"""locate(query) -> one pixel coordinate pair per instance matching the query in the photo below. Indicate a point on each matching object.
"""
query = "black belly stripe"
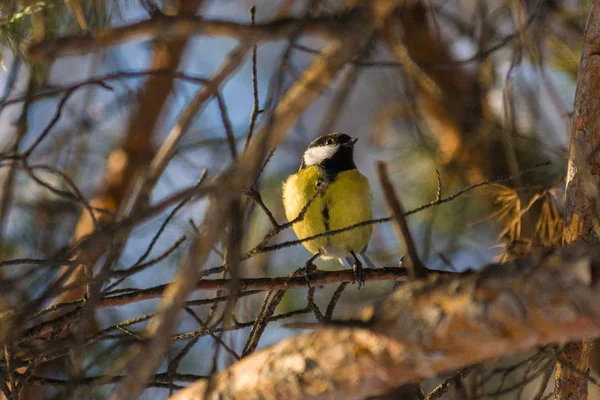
(325, 214)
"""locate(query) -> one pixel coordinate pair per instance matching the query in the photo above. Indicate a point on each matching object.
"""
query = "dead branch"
(426, 328)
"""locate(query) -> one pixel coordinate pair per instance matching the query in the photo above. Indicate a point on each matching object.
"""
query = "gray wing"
(348, 261)
(366, 260)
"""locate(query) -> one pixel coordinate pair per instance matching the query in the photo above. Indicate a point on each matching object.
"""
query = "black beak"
(352, 142)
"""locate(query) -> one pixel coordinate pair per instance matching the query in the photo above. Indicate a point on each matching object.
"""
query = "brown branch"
(261, 284)
(569, 384)
(248, 286)
(334, 300)
(262, 320)
(178, 27)
(425, 328)
(415, 267)
(582, 180)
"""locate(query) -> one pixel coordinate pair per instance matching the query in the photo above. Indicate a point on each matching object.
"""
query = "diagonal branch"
(415, 267)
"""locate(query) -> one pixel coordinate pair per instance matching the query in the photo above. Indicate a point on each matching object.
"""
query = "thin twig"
(216, 338)
(310, 303)
(438, 193)
(256, 104)
(58, 114)
(262, 311)
(261, 322)
(334, 299)
(97, 80)
(227, 125)
(265, 249)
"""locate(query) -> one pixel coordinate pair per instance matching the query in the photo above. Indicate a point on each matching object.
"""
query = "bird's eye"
(329, 141)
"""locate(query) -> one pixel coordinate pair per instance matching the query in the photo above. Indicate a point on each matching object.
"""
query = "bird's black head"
(334, 153)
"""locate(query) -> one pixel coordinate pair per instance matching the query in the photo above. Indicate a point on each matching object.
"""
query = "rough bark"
(583, 175)
(426, 328)
(570, 384)
(583, 181)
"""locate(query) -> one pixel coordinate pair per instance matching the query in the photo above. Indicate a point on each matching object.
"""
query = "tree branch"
(182, 26)
(426, 328)
(415, 267)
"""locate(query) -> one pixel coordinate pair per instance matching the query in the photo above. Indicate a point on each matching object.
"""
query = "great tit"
(339, 197)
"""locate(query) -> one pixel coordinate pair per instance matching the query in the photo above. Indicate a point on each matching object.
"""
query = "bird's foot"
(309, 271)
(358, 273)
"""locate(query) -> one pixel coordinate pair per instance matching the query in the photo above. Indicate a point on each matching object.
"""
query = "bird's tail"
(366, 260)
(348, 261)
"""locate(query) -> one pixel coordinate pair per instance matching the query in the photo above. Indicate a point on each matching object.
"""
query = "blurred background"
(476, 90)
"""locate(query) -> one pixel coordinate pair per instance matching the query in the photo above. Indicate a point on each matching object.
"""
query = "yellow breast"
(346, 201)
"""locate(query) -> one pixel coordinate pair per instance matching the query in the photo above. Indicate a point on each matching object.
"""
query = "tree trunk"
(583, 181)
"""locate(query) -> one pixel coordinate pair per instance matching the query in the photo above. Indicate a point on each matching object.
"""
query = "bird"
(329, 193)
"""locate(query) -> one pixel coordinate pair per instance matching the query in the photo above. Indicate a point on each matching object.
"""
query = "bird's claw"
(358, 274)
(309, 272)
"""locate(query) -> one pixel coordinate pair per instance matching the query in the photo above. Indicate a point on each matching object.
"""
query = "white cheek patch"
(316, 155)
